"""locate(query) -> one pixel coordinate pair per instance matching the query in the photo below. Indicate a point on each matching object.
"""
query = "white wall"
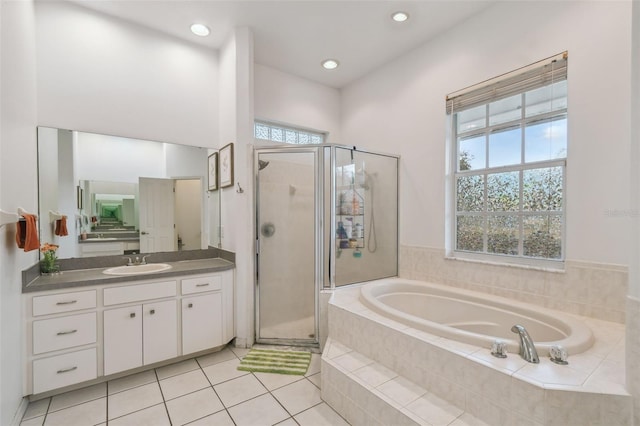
(237, 210)
(104, 75)
(400, 108)
(288, 99)
(18, 186)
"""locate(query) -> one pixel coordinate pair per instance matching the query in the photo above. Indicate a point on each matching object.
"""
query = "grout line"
(46, 413)
(216, 392)
(106, 414)
(163, 400)
(133, 412)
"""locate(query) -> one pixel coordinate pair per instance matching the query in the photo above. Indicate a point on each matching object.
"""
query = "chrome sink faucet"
(527, 348)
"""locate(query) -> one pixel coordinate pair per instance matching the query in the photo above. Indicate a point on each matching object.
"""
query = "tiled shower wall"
(584, 288)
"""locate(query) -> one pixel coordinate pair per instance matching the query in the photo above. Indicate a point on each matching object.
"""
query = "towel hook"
(53, 216)
(239, 190)
(22, 212)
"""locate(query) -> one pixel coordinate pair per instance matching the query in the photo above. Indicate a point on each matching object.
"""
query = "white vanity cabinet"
(140, 334)
(86, 333)
(205, 316)
(61, 339)
(201, 322)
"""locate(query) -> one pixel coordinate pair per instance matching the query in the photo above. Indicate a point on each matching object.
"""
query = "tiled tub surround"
(584, 288)
(376, 371)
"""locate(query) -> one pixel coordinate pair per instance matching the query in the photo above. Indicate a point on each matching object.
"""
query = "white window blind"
(531, 77)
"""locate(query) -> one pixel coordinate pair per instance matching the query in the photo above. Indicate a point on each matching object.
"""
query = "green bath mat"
(276, 361)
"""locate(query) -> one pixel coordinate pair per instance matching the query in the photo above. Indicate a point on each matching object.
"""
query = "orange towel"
(61, 227)
(27, 233)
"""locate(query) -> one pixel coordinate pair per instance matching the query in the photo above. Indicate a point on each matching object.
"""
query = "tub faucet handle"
(558, 354)
(499, 349)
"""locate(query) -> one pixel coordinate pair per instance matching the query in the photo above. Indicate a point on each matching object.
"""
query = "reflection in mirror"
(124, 196)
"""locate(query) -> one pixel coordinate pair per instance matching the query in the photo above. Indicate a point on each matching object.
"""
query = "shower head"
(262, 164)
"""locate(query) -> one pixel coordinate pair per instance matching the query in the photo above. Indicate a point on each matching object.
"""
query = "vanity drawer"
(64, 332)
(65, 302)
(201, 284)
(139, 292)
(64, 370)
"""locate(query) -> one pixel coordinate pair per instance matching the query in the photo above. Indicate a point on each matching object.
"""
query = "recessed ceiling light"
(330, 64)
(200, 30)
(400, 16)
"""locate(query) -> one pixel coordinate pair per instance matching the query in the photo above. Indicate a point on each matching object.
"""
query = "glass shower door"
(287, 246)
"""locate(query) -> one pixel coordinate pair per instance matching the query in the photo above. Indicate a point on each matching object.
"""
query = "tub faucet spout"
(527, 348)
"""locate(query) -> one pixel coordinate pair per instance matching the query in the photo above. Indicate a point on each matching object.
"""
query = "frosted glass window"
(288, 135)
(262, 131)
(291, 136)
(304, 138)
(277, 134)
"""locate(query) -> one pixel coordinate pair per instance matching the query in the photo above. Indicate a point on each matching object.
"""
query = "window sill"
(559, 269)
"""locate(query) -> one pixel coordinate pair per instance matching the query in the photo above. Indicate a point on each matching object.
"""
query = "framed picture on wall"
(226, 166)
(213, 172)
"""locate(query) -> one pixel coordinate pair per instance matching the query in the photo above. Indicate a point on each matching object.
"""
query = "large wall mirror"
(122, 195)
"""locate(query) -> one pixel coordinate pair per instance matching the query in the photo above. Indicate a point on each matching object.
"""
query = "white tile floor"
(208, 390)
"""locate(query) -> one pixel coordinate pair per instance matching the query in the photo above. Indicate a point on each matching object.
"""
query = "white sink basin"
(101, 239)
(149, 268)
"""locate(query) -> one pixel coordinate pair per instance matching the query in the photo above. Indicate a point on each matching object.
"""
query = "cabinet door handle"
(153, 311)
(66, 370)
(62, 333)
(132, 315)
(190, 305)
(202, 285)
(69, 302)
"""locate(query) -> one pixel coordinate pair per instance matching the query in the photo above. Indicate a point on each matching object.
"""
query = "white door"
(156, 215)
(201, 322)
(122, 339)
(160, 330)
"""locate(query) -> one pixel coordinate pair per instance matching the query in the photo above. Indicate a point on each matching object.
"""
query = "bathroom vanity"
(83, 326)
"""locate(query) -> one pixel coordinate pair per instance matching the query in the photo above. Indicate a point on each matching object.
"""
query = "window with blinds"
(510, 149)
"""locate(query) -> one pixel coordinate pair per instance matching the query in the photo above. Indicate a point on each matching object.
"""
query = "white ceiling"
(295, 36)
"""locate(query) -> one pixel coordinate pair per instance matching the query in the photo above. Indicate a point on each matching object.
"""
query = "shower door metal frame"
(318, 152)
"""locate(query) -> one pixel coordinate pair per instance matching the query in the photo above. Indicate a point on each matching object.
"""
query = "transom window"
(509, 180)
(278, 133)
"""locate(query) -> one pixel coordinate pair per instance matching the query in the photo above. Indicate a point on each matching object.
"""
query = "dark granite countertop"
(189, 263)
